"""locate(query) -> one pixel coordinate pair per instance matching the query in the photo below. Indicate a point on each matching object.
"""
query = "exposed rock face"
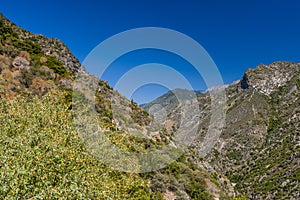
(66, 82)
(267, 78)
(56, 48)
(20, 63)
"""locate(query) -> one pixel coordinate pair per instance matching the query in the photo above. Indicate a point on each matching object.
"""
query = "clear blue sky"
(237, 34)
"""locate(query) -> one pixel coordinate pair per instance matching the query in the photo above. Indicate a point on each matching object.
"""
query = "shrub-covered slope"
(42, 157)
(258, 150)
(41, 153)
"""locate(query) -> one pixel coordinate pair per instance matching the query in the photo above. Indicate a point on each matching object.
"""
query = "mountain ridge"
(255, 157)
(37, 75)
(261, 104)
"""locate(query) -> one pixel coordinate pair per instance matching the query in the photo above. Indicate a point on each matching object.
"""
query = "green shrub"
(56, 65)
(197, 190)
(181, 175)
(26, 77)
(42, 157)
(28, 45)
(51, 61)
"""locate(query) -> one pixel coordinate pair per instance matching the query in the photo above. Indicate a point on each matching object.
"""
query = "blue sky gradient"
(236, 34)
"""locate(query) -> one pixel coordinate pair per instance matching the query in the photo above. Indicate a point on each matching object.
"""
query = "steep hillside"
(44, 156)
(258, 149)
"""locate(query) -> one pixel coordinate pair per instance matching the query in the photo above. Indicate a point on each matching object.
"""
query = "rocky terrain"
(258, 149)
(44, 156)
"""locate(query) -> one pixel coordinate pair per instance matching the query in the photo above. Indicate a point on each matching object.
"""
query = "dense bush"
(8, 34)
(56, 65)
(51, 62)
(28, 45)
(41, 156)
(181, 176)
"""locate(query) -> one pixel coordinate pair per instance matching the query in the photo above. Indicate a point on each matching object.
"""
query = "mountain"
(258, 149)
(45, 152)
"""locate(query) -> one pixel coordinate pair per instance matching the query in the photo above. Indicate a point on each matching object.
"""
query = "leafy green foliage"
(8, 34)
(181, 176)
(28, 45)
(51, 62)
(56, 65)
(42, 157)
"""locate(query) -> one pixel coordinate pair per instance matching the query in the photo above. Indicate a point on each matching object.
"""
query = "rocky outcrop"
(267, 78)
(56, 48)
(49, 46)
(20, 63)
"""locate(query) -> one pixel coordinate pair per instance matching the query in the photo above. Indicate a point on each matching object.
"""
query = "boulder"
(20, 63)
